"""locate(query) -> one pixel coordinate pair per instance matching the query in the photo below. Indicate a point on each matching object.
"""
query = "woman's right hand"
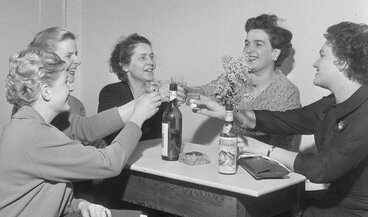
(209, 107)
(145, 107)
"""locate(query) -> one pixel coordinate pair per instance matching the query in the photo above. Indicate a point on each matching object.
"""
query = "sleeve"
(108, 99)
(60, 159)
(89, 129)
(337, 156)
(290, 122)
(292, 100)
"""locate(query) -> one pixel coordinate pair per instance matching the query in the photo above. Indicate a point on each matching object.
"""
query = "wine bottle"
(228, 143)
(171, 128)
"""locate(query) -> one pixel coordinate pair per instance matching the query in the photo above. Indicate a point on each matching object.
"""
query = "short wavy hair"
(123, 52)
(349, 42)
(49, 38)
(280, 38)
(28, 71)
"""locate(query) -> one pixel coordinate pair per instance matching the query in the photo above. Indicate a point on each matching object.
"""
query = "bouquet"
(232, 79)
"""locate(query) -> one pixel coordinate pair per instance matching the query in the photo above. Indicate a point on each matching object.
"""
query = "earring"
(275, 59)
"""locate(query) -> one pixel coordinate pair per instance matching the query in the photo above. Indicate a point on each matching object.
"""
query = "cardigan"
(38, 162)
(340, 133)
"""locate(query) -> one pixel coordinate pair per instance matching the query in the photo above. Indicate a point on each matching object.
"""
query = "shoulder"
(115, 86)
(76, 106)
(282, 82)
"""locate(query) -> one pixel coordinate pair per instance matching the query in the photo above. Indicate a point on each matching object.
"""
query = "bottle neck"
(229, 116)
(227, 129)
(173, 96)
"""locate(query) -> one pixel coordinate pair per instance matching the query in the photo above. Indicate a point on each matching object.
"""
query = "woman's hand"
(88, 209)
(209, 107)
(165, 93)
(145, 107)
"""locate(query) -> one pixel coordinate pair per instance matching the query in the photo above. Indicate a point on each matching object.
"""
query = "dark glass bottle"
(171, 128)
(228, 143)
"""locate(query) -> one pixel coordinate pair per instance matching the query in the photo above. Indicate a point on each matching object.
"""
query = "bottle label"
(173, 95)
(226, 129)
(165, 139)
(228, 149)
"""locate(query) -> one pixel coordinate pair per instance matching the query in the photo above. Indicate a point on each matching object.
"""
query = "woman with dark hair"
(133, 62)
(263, 86)
(338, 121)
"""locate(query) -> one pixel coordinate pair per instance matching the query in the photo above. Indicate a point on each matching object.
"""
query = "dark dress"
(118, 94)
(110, 191)
(340, 133)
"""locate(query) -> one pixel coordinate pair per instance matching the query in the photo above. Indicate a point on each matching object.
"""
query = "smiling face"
(67, 51)
(142, 64)
(257, 47)
(328, 72)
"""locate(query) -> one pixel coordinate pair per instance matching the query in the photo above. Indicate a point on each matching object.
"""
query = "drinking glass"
(151, 86)
(177, 79)
(190, 97)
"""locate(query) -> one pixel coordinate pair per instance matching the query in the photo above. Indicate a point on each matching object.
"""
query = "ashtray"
(194, 158)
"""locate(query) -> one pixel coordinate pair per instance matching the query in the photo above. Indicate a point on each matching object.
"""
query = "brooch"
(341, 125)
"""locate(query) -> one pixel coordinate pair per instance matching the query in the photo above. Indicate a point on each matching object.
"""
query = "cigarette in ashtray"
(194, 158)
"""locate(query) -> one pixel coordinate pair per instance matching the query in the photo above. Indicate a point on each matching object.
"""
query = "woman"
(87, 130)
(266, 46)
(133, 62)
(338, 122)
(63, 43)
(37, 168)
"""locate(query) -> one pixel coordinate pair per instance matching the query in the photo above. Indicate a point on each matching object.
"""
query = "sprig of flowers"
(232, 79)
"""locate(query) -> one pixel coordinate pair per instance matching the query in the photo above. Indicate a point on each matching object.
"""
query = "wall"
(189, 37)
(19, 21)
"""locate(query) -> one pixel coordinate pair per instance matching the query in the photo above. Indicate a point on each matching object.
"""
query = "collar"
(28, 112)
(352, 103)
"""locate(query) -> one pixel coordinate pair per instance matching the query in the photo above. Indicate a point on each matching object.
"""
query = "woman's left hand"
(88, 209)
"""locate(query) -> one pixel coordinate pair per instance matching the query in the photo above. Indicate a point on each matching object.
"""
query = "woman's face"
(328, 71)
(59, 93)
(257, 47)
(142, 64)
(67, 51)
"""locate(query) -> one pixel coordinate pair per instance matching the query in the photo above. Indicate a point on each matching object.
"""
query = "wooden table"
(200, 190)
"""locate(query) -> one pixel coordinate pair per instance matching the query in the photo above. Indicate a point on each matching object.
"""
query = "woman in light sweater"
(38, 162)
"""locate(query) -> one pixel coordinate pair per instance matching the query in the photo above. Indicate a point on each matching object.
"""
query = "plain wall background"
(19, 21)
(189, 37)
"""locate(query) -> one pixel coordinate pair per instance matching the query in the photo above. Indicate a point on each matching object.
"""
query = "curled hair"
(49, 38)
(349, 42)
(123, 52)
(280, 38)
(28, 70)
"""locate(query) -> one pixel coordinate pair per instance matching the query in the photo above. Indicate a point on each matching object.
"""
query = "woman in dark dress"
(338, 121)
(133, 62)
